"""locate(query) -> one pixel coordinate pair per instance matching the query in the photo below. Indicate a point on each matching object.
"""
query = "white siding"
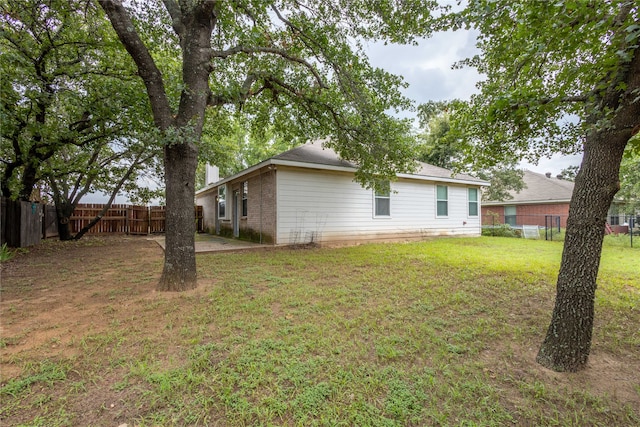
(324, 206)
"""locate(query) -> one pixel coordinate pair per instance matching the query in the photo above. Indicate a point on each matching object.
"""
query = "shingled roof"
(316, 153)
(540, 188)
(315, 156)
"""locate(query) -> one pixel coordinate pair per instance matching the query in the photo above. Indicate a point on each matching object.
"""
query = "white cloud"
(427, 68)
(555, 164)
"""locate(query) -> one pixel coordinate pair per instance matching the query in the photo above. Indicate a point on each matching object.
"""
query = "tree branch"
(549, 100)
(309, 42)
(132, 167)
(151, 75)
(271, 50)
(245, 93)
(176, 18)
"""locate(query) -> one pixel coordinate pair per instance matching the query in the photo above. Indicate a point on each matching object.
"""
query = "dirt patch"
(61, 291)
(609, 375)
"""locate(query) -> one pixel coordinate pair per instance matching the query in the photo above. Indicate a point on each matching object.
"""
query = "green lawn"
(441, 332)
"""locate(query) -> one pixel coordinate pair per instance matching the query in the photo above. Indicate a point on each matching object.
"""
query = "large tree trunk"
(29, 179)
(179, 273)
(181, 158)
(193, 22)
(567, 344)
(568, 341)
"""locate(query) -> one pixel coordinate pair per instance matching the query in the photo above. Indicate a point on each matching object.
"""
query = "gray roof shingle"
(315, 153)
(540, 189)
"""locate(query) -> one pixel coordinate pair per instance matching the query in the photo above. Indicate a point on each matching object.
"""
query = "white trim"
(439, 200)
(477, 202)
(375, 197)
(226, 202)
(244, 197)
(445, 180)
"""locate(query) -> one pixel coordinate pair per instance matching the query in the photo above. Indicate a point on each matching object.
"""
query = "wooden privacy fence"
(20, 222)
(125, 219)
(25, 223)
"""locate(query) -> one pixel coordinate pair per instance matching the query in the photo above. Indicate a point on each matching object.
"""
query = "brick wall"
(259, 224)
(528, 214)
(261, 207)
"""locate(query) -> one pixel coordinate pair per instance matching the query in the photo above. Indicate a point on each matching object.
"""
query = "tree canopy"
(73, 116)
(559, 77)
(297, 69)
(630, 179)
(442, 145)
(548, 67)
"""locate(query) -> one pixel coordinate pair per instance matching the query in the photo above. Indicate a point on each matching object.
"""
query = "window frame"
(222, 201)
(245, 198)
(379, 196)
(475, 202)
(508, 218)
(440, 200)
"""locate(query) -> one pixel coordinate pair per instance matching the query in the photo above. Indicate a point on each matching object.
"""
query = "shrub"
(501, 230)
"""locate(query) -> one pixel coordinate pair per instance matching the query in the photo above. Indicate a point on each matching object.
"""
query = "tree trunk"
(568, 341)
(193, 22)
(567, 344)
(64, 229)
(179, 273)
(29, 181)
(63, 213)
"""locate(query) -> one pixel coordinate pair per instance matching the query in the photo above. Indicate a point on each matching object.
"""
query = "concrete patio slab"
(210, 243)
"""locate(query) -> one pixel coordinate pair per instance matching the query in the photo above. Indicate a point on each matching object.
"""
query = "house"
(308, 195)
(544, 200)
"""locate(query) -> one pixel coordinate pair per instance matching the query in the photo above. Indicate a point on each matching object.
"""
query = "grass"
(5, 253)
(610, 240)
(441, 332)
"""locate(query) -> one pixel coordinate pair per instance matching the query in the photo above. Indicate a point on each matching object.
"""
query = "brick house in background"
(308, 194)
(544, 195)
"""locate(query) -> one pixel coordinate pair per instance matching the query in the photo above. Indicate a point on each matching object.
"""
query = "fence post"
(548, 227)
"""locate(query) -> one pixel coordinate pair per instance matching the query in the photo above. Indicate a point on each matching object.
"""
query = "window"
(442, 200)
(383, 200)
(473, 202)
(245, 194)
(510, 215)
(614, 215)
(222, 201)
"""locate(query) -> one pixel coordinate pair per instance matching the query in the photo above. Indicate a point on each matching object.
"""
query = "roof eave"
(321, 166)
(524, 202)
(235, 176)
(448, 180)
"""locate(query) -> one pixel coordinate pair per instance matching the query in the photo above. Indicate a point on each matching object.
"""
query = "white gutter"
(442, 179)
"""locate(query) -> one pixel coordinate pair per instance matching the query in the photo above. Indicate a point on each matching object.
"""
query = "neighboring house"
(545, 199)
(308, 194)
